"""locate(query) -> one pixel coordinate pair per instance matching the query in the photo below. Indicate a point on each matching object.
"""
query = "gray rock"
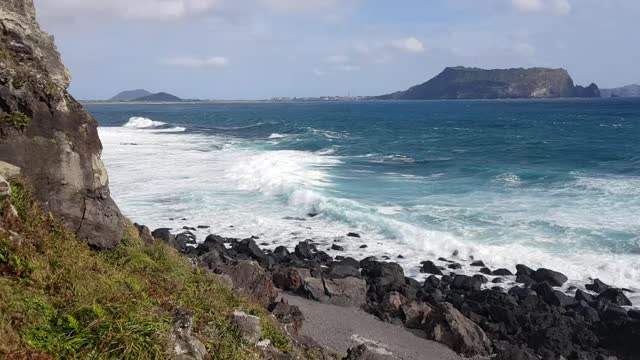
(248, 326)
(428, 267)
(251, 280)
(144, 233)
(598, 286)
(362, 352)
(554, 278)
(183, 345)
(8, 171)
(288, 315)
(345, 292)
(59, 150)
(449, 326)
(291, 279)
(5, 189)
(616, 296)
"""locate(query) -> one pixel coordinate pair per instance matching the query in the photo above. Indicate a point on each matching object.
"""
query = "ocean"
(547, 183)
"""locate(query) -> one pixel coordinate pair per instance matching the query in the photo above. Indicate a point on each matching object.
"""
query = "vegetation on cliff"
(61, 300)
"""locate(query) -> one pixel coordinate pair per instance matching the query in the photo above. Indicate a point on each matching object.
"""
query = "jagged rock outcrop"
(47, 133)
(473, 83)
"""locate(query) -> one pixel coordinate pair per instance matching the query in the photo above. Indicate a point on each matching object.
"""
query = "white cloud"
(298, 6)
(557, 7)
(338, 59)
(138, 9)
(179, 9)
(409, 44)
(198, 62)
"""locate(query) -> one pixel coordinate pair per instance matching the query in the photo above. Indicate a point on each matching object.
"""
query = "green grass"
(18, 120)
(61, 300)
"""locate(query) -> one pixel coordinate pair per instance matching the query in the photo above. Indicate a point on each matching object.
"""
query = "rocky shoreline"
(532, 320)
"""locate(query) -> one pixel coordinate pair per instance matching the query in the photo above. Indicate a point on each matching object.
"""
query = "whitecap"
(137, 122)
(508, 179)
(277, 136)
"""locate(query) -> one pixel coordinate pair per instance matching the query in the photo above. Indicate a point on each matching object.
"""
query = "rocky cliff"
(474, 83)
(625, 91)
(45, 132)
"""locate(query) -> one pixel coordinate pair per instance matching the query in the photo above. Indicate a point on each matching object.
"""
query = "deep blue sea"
(552, 183)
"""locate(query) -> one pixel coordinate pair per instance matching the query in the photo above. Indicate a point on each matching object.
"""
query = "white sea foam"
(509, 179)
(277, 136)
(143, 123)
(240, 191)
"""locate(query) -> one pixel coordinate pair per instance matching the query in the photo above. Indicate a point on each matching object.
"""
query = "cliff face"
(474, 83)
(44, 131)
(625, 91)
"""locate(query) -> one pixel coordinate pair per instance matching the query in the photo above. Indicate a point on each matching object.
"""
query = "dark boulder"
(383, 277)
(478, 263)
(336, 247)
(251, 249)
(466, 283)
(554, 278)
(352, 234)
(449, 326)
(551, 296)
(432, 282)
(524, 270)
(144, 233)
(251, 280)
(305, 250)
(290, 279)
(349, 261)
(212, 242)
(281, 252)
(581, 295)
(288, 315)
(164, 234)
(455, 266)
(340, 271)
(486, 271)
(598, 286)
(502, 272)
(616, 296)
(364, 262)
(428, 267)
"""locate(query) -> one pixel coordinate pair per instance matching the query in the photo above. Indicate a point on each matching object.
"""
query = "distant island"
(141, 95)
(475, 83)
(130, 95)
(625, 91)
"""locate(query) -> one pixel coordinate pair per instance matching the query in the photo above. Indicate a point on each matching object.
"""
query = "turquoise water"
(549, 183)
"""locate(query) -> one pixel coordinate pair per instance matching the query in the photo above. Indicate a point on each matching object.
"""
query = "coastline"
(528, 320)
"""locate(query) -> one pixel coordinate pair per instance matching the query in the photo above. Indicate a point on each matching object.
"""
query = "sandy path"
(340, 328)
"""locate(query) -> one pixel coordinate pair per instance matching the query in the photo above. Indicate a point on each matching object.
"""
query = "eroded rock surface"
(47, 133)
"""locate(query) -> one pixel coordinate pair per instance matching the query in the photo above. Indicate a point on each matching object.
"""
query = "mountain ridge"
(130, 95)
(475, 83)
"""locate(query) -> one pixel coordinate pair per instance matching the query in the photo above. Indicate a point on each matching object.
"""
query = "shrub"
(17, 119)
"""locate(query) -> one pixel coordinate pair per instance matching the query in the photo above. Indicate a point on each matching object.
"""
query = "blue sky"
(254, 49)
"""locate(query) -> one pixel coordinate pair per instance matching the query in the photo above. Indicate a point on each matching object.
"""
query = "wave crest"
(138, 122)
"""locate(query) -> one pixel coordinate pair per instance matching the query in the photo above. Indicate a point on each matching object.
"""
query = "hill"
(475, 83)
(130, 95)
(159, 97)
(625, 91)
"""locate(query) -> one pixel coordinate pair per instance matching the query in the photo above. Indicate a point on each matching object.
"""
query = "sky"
(258, 49)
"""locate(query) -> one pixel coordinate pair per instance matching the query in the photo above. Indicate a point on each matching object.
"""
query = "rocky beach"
(469, 314)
